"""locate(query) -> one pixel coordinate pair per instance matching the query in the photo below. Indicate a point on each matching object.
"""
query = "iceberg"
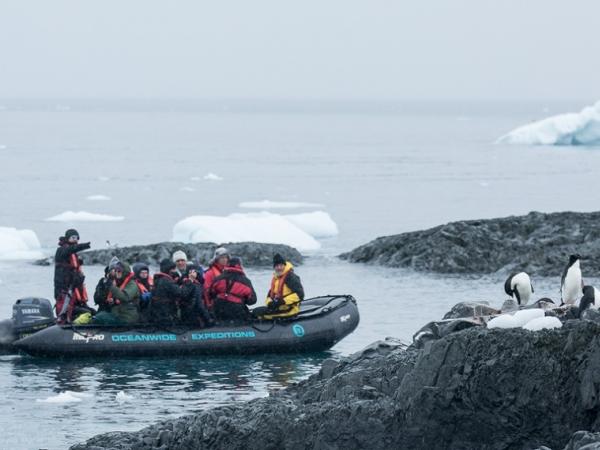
(581, 128)
(98, 198)
(268, 204)
(65, 397)
(212, 177)
(19, 244)
(298, 230)
(83, 216)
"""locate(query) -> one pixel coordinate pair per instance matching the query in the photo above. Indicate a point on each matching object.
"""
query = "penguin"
(519, 285)
(571, 283)
(590, 295)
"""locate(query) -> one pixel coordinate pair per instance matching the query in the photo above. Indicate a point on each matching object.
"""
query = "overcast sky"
(334, 49)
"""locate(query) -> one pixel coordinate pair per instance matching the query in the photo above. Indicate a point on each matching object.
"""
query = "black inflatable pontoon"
(322, 322)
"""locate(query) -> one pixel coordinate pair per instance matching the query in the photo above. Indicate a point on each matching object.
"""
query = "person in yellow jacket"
(286, 293)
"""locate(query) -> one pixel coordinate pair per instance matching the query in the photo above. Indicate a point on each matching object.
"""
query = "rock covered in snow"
(581, 128)
(253, 254)
(537, 243)
(478, 388)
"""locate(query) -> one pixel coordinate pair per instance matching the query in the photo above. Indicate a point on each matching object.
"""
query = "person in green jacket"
(123, 295)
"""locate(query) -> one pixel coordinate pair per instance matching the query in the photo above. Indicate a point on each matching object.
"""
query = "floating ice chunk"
(317, 224)
(65, 397)
(542, 323)
(83, 216)
(581, 128)
(257, 227)
(98, 198)
(3, 147)
(268, 204)
(187, 189)
(103, 178)
(515, 320)
(212, 177)
(122, 397)
(19, 244)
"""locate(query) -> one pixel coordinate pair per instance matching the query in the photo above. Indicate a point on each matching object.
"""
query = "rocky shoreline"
(536, 243)
(253, 254)
(473, 388)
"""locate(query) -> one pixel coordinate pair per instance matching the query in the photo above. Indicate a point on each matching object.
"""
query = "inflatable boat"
(322, 322)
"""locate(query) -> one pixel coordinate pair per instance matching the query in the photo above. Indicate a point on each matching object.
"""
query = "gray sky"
(335, 49)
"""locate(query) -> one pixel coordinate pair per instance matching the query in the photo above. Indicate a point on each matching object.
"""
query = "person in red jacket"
(216, 267)
(231, 292)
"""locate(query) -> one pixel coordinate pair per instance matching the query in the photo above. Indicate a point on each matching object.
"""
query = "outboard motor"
(31, 315)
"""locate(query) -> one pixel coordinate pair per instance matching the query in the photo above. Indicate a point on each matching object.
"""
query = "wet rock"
(477, 388)
(471, 309)
(439, 329)
(253, 254)
(584, 440)
(536, 243)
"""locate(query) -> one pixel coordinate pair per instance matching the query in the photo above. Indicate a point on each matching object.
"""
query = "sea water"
(375, 168)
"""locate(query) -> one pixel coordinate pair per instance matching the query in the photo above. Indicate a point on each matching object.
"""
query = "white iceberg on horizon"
(19, 244)
(581, 128)
(98, 198)
(83, 216)
(65, 397)
(298, 230)
(268, 204)
(212, 177)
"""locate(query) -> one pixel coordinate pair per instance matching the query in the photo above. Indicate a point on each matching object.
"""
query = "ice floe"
(83, 216)
(122, 397)
(98, 198)
(65, 397)
(212, 177)
(19, 244)
(297, 230)
(581, 128)
(268, 204)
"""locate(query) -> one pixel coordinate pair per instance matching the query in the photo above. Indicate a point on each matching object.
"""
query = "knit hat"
(179, 254)
(166, 265)
(235, 262)
(71, 232)
(115, 264)
(278, 259)
(138, 267)
(221, 251)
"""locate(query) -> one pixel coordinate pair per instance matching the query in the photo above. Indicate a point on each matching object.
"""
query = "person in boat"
(232, 292)
(216, 267)
(145, 284)
(191, 310)
(69, 288)
(101, 292)
(123, 296)
(286, 292)
(166, 294)
(181, 263)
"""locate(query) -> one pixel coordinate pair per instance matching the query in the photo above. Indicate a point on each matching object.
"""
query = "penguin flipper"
(518, 296)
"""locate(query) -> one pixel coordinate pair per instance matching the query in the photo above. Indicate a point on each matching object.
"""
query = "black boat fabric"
(322, 322)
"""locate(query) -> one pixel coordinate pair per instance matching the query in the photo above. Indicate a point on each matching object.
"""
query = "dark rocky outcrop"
(253, 254)
(537, 243)
(475, 388)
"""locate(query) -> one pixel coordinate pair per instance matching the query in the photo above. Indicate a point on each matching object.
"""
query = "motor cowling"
(31, 314)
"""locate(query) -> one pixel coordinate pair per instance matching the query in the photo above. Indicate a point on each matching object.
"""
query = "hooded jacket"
(126, 296)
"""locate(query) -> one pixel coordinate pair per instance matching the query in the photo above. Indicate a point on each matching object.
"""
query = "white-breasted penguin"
(590, 299)
(519, 285)
(571, 283)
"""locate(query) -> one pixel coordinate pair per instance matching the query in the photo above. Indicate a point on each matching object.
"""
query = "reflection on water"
(155, 389)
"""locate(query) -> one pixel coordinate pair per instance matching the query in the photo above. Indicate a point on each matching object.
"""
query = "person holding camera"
(123, 296)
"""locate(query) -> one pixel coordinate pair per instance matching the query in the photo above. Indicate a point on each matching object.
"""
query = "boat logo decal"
(223, 335)
(144, 337)
(345, 318)
(88, 337)
(298, 330)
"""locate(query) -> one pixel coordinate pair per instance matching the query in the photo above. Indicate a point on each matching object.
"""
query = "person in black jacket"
(191, 305)
(102, 291)
(69, 287)
(166, 294)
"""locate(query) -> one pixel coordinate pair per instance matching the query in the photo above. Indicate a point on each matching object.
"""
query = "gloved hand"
(275, 303)
(146, 297)
(86, 245)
